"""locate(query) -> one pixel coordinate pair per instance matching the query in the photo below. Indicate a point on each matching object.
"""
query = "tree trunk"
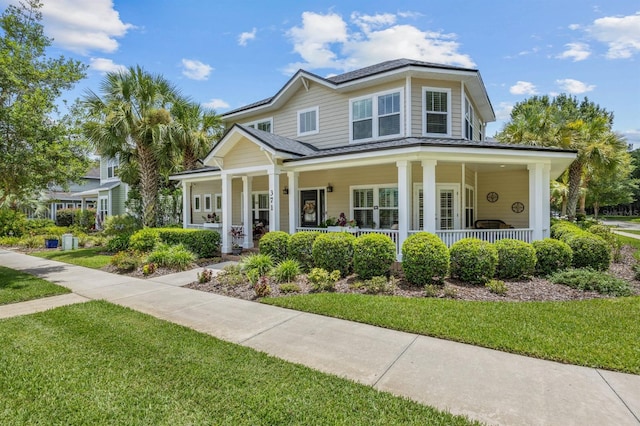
(583, 204)
(149, 179)
(575, 175)
(189, 159)
(596, 209)
(563, 210)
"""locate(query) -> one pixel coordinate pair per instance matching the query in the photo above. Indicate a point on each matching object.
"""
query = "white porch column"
(404, 201)
(429, 195)
(186, 205)
(546, 201)
(274, 199)
(294, 213)
(247, 216)
(227, 212)
(536, 199)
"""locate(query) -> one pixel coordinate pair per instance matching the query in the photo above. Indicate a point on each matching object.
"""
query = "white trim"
(423, 111)
(472, 117)
(197, 207)
(207, 197)
(376, 200)
(255, 123)
(317, 124)
(407, 107)
(375, 115)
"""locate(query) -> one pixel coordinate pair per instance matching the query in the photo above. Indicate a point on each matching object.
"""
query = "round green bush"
(202, 242)
(301, 248)
(473, 260)
(373, 255)
(516, 259)
(118, 243)
(334, 251)
(425, 258)
(144, 240)
(561, 228)
(275, 244)
(552, 255)
(589, 251)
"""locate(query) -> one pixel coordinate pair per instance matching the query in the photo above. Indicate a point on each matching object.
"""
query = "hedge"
(473, 260)
(334, 251)
(425, 258)
(203, 243)
(373, 255)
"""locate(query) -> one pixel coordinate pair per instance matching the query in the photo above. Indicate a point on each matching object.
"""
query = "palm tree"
(131, 121)
(194, 131)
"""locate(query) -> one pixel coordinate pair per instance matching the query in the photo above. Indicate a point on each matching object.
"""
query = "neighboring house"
(399, 147)
(57, 198)
(110, 194)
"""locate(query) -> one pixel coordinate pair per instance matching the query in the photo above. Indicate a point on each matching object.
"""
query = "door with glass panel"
(447, 214)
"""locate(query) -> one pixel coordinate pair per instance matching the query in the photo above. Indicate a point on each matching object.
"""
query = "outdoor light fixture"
(285, 191)
(329, 188)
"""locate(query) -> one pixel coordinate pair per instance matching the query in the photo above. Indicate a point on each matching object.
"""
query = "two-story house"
(399, 147)
(110, 195)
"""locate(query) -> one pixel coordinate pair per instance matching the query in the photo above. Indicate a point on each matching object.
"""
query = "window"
(265, 125)
(112, 168)
(469, 206)
(196, 203)
(468, 119)
(260, 201)
(375, 205)
(308, 121)
(376, 116)
(207, 202)
(437, 110)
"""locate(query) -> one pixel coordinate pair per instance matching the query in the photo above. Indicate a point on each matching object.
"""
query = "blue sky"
(225, 54)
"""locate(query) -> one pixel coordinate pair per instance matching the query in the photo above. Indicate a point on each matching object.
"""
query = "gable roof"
(361, 76)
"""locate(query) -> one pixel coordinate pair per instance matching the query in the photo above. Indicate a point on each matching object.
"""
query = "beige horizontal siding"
(244, 154)
(417, 119)
(511, 186)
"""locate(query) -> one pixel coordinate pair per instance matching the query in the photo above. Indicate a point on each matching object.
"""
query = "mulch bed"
(535, 289)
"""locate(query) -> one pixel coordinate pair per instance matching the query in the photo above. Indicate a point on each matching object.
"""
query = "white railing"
(393, 234)
(492, 235)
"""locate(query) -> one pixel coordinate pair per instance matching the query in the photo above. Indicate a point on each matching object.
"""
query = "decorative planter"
(51, 243)
(236, 251)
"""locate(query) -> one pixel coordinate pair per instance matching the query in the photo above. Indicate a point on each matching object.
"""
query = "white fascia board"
(233, 137)
(197, 177)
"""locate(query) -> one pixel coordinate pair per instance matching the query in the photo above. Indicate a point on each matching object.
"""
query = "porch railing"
(449, 237)
(393, 234)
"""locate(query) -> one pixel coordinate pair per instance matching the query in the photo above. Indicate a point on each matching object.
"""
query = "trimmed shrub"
(65, 217)
(559, 229)
(286, 271)
(144, 240)
(126, 261)
(588, 279)
(552, 256)
(118, 243)
(373, 255)
(516, 259)
(473, 260)
(35, 226)
(301, 248)
(611, 239)
(12, 222)
(497, 287)
(202, 242)
(121, 225)
(274, 244)
(589, 250)
(334, 251)
(379, 285)
(425, 259)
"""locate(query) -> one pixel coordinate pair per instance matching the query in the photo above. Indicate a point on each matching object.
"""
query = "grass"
(89, 257)
(98, 363)
(619, 218)
(17, 286)
(601, 333)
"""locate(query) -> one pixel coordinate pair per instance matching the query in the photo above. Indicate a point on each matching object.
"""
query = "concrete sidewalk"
(487, 385)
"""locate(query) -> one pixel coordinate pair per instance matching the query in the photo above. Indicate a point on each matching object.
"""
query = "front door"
(311, 207)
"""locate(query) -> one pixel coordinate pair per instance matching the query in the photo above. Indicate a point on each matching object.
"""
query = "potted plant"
(237, 235)
(51, 241)
(344, 224)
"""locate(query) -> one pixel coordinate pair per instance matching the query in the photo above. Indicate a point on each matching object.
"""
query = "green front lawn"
(17, 286)
(89, 257)
(98, 363)
(601, 333)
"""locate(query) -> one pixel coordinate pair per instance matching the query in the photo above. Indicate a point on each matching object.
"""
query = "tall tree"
(564, 122)
(194, 131)
(132, 121)
(36, 148)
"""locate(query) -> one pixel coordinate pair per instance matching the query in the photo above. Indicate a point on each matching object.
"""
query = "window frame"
(449, 112)
(469, 117)
(315, 109)
(112, 168)
(197, 203)
(375, 207)
(375, 115)
(254, 124)
(207, 200)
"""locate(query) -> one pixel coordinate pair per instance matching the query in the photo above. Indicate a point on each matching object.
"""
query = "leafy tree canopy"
(36, 149)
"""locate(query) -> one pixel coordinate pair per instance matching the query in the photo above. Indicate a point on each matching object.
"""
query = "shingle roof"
(280, 143)
(196, 171)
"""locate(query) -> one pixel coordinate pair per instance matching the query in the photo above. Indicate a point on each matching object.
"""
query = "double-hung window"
(375, 205)
(437, 111)
(468, 119)
(378, 115)
(308, 121)
(265, 125)
(112, 168)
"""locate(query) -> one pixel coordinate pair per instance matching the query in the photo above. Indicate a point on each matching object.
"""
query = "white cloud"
(523, 88)
(574, 87)
(216, 103)
(620, 33)
(576, 51)
(243, 38)
(503, 112)
(82, 29)
(632, 137)
(328, 41)
(575, 27)
(104, 65)
(196, 70)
